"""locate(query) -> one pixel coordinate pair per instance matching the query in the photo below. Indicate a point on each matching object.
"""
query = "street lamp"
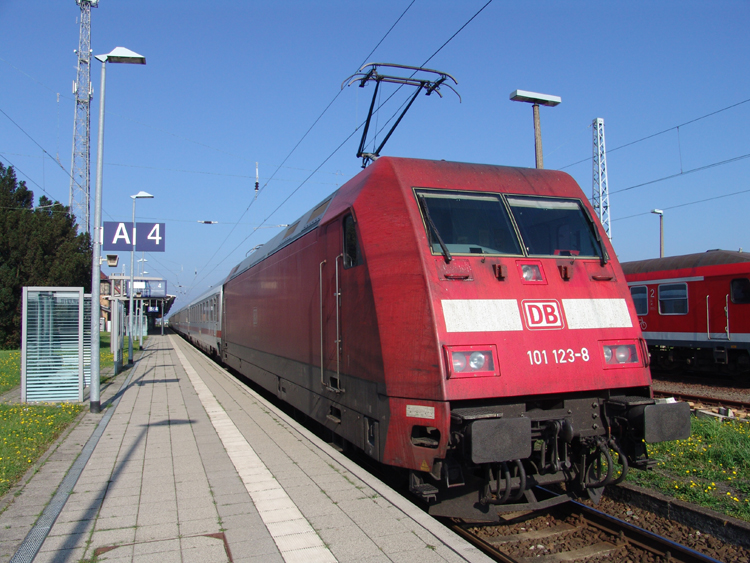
(118, 55)
(660, 213)
(139, 195)
(140, 309)
(536, 100)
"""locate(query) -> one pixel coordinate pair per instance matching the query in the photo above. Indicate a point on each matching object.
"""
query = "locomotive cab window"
(352, 253)
(640, 299)
(555, 227)
(467, 223)
(673, 299)
(741, 291)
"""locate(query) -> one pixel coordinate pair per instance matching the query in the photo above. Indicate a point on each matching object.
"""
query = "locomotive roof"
(708, 258)
(429, 173)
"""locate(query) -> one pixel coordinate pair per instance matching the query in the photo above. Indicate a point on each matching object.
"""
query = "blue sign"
(149, 237)
(148, 288)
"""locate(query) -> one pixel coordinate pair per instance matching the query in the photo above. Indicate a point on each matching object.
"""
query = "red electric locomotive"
(694, 310)
(467, 323)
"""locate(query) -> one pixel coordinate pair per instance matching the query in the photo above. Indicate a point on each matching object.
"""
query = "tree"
(38, 247)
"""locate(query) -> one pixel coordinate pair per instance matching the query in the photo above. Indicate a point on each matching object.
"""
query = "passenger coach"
(694, 310)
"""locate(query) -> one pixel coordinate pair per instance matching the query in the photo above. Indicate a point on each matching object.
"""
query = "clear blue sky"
(229, 84)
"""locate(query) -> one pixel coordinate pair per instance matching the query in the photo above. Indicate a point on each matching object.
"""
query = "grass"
(27, 432)
(106, 358)
(710, 469)
(10, 369)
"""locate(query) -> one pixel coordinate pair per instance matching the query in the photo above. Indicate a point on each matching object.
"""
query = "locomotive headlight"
(617, 354)
(622, 353)
(472, 361)
(477, 360)
(459, 361)
(531, 272)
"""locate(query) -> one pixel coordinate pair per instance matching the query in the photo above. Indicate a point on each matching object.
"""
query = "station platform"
(185, 464)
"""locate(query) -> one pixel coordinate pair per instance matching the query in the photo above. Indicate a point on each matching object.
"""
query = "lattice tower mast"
(600, 191)
(80, 171)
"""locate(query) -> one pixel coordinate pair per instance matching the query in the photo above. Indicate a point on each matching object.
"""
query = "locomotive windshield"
(554, 227)
(471, 223)
(468, 223)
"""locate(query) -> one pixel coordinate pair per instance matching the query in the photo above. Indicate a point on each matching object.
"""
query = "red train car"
(695, 309)
(466, 323)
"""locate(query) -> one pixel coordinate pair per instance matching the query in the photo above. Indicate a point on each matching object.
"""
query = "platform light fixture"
(537, 100)
(118, 55)
(139, 195)
(660, 213)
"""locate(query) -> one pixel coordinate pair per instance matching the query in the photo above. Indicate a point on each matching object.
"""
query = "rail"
(608, 537)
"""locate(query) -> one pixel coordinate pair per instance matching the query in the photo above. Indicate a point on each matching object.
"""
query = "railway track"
(573, 532)
(706, 401)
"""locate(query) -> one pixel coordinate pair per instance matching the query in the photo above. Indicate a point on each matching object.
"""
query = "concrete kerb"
(14, 396)
(39, 532)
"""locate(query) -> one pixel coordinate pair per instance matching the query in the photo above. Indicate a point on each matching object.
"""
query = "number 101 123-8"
(559, 356)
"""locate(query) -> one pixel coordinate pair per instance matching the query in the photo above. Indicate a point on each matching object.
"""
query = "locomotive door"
(717, 317)
(330, 306)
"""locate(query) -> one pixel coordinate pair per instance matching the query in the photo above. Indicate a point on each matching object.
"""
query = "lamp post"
(139, 195)
(118, 55)
(536, 100)
(141, 315)
(660, 213)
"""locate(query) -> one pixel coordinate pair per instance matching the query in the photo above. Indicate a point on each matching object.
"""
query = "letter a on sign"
(121, 233)
(117, 236)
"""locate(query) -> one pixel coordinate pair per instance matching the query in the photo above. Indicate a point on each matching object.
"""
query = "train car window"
(673, 299)
(554, 227)
(352, 253)
(467, 223)
(741, 291)
(640, 299)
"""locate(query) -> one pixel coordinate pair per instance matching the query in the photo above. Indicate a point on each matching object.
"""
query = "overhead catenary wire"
(651, 136)
(2, 155)
(681, 173)
(340, 145)
(41, 147)
(398, 110)
(294, 148)
(685, 204)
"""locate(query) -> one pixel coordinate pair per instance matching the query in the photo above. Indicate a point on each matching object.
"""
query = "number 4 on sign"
(150, 237)
(154, 234)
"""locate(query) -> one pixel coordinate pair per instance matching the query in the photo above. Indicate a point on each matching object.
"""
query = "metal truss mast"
(600, 191)
(80, 172)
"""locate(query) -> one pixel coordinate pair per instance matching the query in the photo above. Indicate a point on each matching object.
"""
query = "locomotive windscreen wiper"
(433, 228)
(604, 256)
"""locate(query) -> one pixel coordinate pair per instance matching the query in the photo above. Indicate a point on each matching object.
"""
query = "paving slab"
(187, 464)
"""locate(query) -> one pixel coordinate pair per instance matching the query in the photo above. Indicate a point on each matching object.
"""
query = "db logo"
(542, 315)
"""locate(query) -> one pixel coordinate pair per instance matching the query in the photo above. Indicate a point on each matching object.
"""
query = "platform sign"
(148, 288)
(149, 237)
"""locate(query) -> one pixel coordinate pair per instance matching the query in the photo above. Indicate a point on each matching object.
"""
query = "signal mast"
(80, 171)
(600, 190)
